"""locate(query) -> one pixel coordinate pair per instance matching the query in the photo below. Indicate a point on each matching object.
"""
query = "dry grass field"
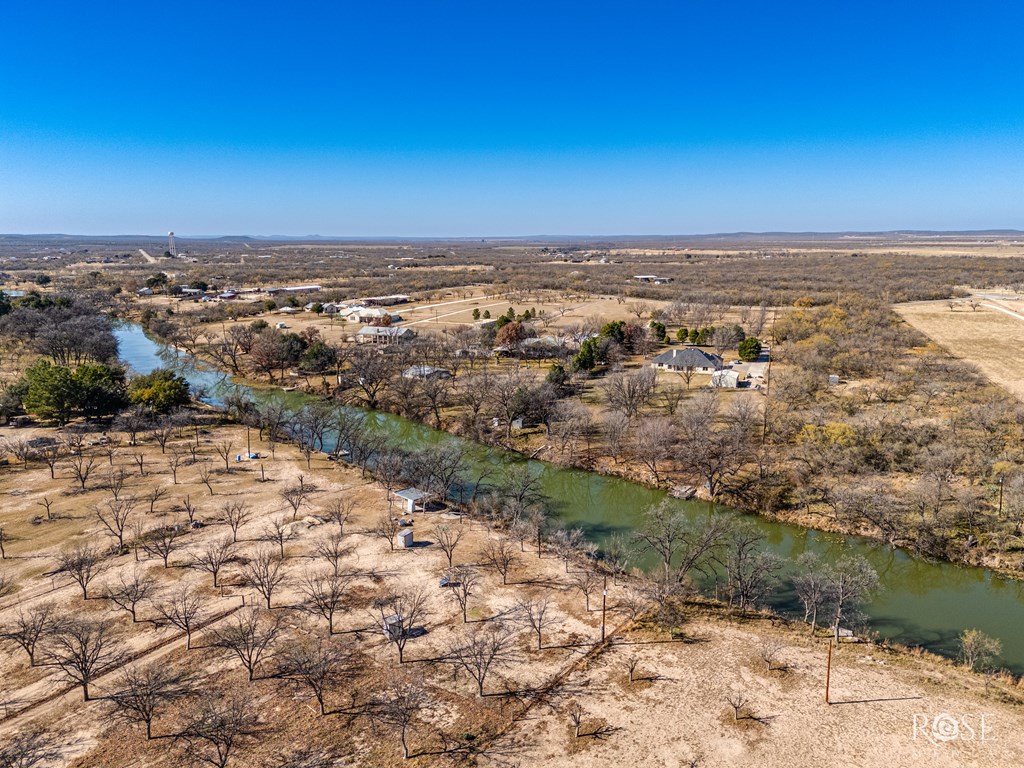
(990, 337)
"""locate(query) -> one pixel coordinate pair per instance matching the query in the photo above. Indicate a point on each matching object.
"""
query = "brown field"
(991, 337)
(674, 712)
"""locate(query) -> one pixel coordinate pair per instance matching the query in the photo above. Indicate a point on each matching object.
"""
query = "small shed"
(833, 380)
(405, 538)
(393, 627)
(413, 499)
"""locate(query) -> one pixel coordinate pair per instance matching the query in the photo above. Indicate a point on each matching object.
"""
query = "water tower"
(171, 248)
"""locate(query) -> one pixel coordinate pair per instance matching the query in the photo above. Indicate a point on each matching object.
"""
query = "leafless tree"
(235, 514)
(182, 611)
(567, 543)
(140, 460)
(387, 528)
(653, 443)
(114, 514)
(501, 555)
(250, 635)
(615, 426)
(81, 467)
(410, 609)
(323, 595)
(162, 430)
(154, 496)
(448, 539)
(769, 651)
(31, 626)
(538, 614)
(587, 582)
(629, 392)
(811, 585)
(631, 663)
(278, 531)
(220, 724)
(576, 715)
(224, 448)
(316, 664)
(206, 477)
(399, 706)
(142, 692)
(116, 480)
(332, 549)
(214, 556)
(462, 583)
(682, 545)
(131, 589)
(51, 456)
(190, 509)
(81, 563)
(161, 542)
(339, 510)
(82, 650)
(33, 747)
(47, 504)
(264, 574)
(175, 462)
(295, 497)
(737, 701)
(483, 650)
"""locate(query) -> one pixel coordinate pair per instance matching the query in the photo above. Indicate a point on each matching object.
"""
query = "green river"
(921, 603)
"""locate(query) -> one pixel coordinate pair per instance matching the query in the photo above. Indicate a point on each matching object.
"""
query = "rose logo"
(945, 727)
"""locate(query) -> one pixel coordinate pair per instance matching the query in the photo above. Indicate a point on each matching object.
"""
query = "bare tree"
(81, 467)
(399, 706)
(82, 650)
(224, 449)
(332, 550)
(339, 511)
(852, 581)
(161, 542)
(587, 582)
(769, 651)
(537, 614)
(295, 497)
(30, 626)
(737, 701)
(33, 747)
(448, 539)
(250, 636)
(387, 528)
(114, 514)
(278, 531)
(116, 481)
(51, 456)
(235, 514)
(811, 584)
(615, 426)
(631, 663)
(220, 724)
(500, 554)
(175, 462)
(316, 664)
(400, 614)
(81, 563)
(154, 496)
(323, 595)
(142, 692)
(190, 509)
(576, 715)
(654, 441)
(462, 582)
(206, 477)
(214, 556)
(629, 392)
(47, 504)
(483, 650)
(264, 574)
(131, 589)
(182, 611)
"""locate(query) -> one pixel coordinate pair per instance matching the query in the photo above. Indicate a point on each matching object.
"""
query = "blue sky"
(465, 119)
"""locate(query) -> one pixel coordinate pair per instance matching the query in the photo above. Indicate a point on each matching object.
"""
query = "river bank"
(921, 604)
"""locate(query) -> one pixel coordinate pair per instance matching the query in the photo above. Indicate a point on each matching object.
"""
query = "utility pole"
(828, 671)
(1000, 496)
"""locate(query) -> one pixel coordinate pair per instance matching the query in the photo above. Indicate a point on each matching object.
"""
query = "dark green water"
(922, 603)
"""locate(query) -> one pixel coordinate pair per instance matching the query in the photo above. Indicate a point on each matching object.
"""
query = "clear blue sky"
(450, 118)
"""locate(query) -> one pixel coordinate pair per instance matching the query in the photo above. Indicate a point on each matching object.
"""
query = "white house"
(383, 334)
